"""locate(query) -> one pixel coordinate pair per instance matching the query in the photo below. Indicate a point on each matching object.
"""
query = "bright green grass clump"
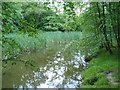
(96, 75)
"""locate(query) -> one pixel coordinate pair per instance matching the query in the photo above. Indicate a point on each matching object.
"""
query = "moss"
(95, 75)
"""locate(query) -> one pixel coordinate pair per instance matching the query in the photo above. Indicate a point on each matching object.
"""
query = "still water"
(52, 68)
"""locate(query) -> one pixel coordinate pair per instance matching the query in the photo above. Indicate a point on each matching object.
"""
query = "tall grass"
(60, 36)
(16, 43)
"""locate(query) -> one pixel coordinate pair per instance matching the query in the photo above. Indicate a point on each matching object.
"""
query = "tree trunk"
(100, 25)
(107, 43)
(113, 21)
(109, 9)
(118, 24)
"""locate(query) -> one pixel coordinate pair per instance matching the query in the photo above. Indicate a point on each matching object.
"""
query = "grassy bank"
(96, 76)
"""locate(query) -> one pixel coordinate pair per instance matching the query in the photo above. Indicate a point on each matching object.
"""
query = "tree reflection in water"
(59, 73)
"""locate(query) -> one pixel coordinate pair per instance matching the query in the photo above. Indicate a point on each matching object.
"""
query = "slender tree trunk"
(118, 24)
(111, 41)
(100, 24)
(109, 9)
(107, 43)
(113, 22)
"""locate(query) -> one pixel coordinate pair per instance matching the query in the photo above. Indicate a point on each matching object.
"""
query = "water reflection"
(57, 73)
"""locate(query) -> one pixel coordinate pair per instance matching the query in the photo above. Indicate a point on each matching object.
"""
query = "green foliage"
(55, 23)
(35, 14)
(11, 13)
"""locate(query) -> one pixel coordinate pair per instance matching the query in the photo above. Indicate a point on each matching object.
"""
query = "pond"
(52, 68)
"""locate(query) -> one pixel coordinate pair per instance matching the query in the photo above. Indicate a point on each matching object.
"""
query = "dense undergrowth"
(96, 75)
